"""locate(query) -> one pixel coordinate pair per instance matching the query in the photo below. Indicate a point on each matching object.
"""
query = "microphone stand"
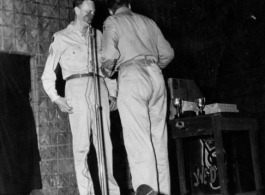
(98, 114)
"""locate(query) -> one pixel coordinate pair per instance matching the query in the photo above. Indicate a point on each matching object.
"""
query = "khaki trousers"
(142, 103)
(80, 95)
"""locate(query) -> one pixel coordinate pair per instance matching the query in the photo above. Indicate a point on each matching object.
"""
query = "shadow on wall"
(19, 154)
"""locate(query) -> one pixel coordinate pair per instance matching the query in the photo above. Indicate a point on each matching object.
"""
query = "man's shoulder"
(134, 14)
(118, 15)
(111, 17)
(144, 17)
(110, 20)
(61, 32)
(123, 15)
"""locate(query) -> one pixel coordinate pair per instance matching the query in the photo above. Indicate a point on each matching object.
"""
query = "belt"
(146, 59)
(75, 76)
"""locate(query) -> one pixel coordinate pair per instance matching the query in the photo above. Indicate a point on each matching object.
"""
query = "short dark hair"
(77, 3)
(116, 3)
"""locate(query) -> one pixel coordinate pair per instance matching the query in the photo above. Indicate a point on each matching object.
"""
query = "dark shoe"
(145, 190)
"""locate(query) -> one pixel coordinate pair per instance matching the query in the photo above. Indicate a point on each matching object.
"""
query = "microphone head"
(88, 18)
(89, 7)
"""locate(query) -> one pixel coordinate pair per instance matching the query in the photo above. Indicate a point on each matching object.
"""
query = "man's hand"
(106, 72)
(62, 104)
(112, 103)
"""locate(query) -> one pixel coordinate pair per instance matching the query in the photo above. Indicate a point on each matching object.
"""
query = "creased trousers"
(80, 95)
(142, 104)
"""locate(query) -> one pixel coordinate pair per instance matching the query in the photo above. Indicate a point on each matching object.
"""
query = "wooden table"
(215, 124)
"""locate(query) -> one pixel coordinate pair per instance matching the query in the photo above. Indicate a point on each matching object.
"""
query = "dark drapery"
(19, 154)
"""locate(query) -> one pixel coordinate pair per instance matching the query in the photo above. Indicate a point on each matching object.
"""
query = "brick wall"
(26, 27)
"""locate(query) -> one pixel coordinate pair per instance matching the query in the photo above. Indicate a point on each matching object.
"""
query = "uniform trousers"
(142, 104)
(80, 95)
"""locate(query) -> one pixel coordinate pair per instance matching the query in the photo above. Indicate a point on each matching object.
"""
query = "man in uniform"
(134, 45)
(71, 48)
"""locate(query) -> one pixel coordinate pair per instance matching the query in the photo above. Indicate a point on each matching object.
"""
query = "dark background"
(19, 154)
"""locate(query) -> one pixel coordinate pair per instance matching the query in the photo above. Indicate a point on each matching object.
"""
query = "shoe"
(145, 190)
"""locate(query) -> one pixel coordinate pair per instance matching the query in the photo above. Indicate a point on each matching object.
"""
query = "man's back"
(136, 35)
(139, 47)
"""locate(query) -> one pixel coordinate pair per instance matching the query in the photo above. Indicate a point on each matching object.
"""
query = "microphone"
(88, 18)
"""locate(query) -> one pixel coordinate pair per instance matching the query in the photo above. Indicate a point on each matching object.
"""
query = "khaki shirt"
(127, 35)
(70, 49)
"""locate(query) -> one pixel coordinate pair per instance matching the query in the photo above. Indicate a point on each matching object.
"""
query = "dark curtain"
(19, 154)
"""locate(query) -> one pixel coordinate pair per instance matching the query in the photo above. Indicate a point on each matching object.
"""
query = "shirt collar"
(122, 9)
(70, 27)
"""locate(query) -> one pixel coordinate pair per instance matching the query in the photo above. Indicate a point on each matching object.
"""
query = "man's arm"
(49, 76)
(110, 83)
(113, 91)
(166, 52)
(110, 52)
(112, 87)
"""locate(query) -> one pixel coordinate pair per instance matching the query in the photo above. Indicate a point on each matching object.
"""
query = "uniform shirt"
(70, 49)
(127, 35)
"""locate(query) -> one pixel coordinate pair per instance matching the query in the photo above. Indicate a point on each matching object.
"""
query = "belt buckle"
(149, 59)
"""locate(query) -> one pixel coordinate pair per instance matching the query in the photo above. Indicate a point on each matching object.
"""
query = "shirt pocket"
(72, 53)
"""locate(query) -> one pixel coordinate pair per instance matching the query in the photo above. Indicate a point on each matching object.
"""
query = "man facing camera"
(71, 48)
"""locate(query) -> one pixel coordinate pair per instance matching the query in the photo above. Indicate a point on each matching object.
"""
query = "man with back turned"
(134, 46)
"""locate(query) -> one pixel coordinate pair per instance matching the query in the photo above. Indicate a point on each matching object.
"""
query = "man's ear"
(77, 11)
(129, 6)
(110, 11)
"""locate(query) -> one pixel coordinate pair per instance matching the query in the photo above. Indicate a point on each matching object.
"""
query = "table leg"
(235, 160)
(218, 139)
(181, 166)
(255, 159)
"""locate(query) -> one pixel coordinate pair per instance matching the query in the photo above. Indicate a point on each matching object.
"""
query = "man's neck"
(80, 27)
(115, 8)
